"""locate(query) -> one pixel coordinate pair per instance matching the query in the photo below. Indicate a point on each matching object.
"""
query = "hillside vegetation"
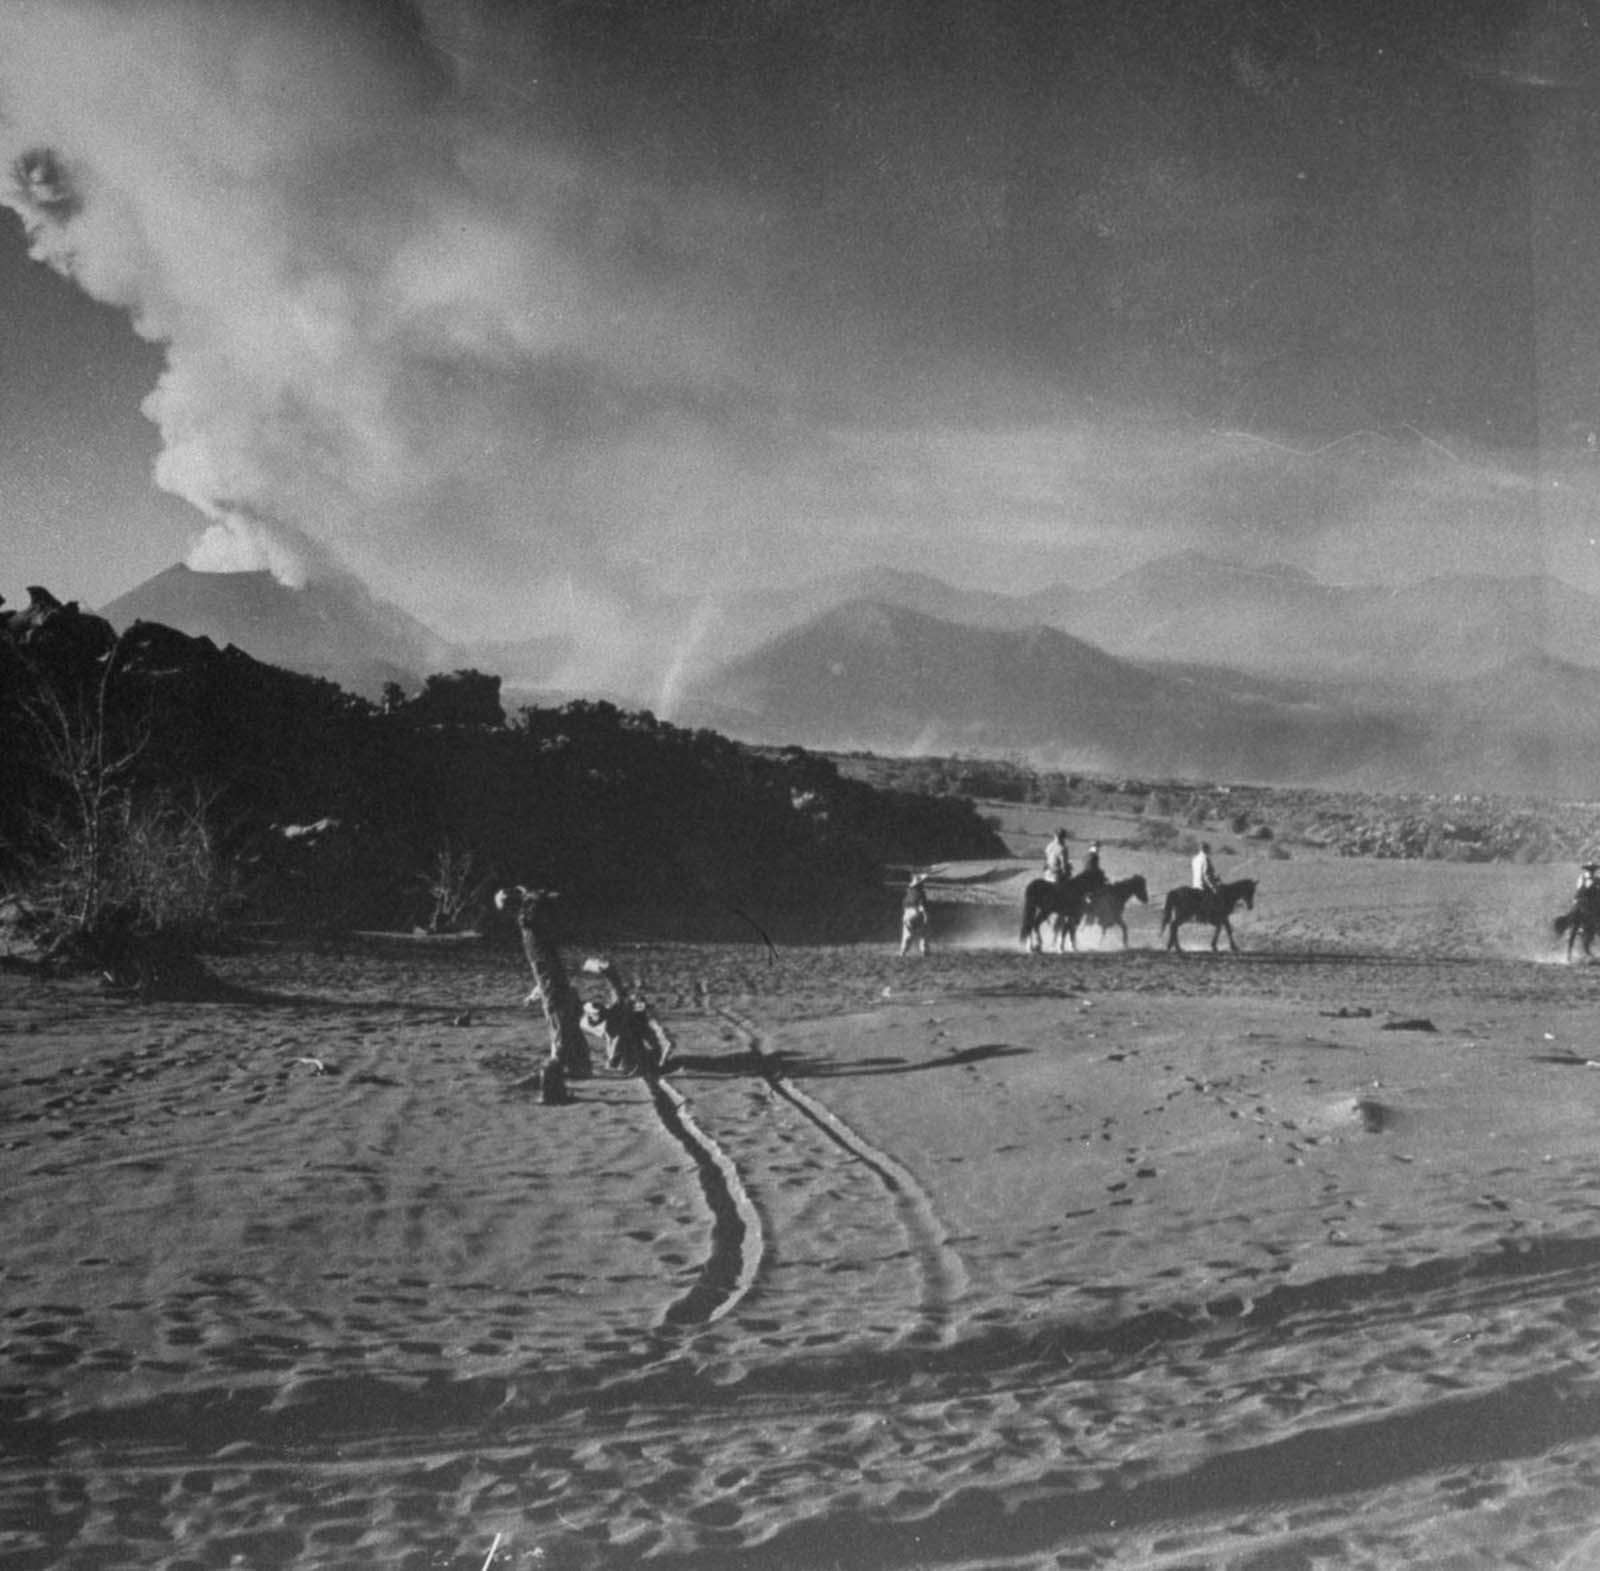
(159, 785)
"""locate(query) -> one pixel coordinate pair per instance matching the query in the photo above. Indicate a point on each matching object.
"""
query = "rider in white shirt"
(1057, 865)
(1202, 871)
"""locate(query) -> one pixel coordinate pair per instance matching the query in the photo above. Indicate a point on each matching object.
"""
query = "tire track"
(940, 1267)
(737, 1242)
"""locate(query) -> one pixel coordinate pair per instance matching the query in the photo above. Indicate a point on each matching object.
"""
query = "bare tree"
(454, 886)
(127, 874)
(87, 763)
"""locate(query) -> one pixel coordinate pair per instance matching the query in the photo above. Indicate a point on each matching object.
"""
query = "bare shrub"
(86, 765)
(118, 873)
(166, 865)
(454, 886)
(136, 894)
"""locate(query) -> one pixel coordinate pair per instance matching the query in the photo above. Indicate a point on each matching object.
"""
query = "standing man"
(914, 917)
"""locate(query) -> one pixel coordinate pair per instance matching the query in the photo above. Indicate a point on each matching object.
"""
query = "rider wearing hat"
(1057, 864)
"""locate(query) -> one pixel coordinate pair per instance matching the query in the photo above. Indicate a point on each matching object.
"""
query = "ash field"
(1289, 1258)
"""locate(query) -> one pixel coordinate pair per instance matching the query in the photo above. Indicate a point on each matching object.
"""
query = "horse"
(1581, 925)
(1206, 905)
(1104, 907)
(1062, 902)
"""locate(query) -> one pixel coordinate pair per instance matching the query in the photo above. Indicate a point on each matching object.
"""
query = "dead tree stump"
(562, 1009)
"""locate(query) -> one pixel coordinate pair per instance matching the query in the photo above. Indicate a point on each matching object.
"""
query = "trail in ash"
(738, 1245)
(939, 1267)
(730, 1268)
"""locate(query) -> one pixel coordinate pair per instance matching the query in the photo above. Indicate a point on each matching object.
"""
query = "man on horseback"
(1582, 923)
(1057, 864)
(1202, 871)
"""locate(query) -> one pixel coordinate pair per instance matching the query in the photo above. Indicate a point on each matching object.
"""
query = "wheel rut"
(737, 1240)
(939, 1267)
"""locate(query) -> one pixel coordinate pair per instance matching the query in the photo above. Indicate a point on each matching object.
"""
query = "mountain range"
(1186, 666)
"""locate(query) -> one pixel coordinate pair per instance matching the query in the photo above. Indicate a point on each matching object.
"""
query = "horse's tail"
(1564, 921)
(1167, 911)
(1030, 918)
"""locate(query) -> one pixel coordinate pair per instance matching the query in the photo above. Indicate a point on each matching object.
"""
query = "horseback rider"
(1588, 890)
(1093, 875)
(1202, 870)
(1057, 864)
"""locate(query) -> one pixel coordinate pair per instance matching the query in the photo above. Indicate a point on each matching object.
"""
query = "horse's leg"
(1227, 927)
(1122, 922)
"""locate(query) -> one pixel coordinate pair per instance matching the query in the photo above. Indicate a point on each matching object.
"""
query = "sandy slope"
(1278, 1260)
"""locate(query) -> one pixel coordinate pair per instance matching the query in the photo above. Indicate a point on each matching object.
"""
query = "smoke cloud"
(401, 325)
(512, 308)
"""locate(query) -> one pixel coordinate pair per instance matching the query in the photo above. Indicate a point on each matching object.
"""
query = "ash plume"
(398, 316)
(526, 311)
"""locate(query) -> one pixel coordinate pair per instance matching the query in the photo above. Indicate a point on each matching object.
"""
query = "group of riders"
(1202, 877)
(1058, 869)
(1058, 864)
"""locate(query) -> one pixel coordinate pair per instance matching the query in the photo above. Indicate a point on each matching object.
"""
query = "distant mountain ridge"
(330, 628)
(1285, 621)
(1186, 665)
(874, 677)
(878, 677)
(1195, 609)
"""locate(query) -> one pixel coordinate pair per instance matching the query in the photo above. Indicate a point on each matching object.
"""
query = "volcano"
(332, 628)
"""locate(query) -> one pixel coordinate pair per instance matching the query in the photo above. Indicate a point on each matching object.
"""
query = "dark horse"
(1062, 903)
(1581, 924)
(1105, 906)
(1207, 905)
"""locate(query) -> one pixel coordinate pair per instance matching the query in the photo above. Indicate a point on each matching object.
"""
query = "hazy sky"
(513, 308)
